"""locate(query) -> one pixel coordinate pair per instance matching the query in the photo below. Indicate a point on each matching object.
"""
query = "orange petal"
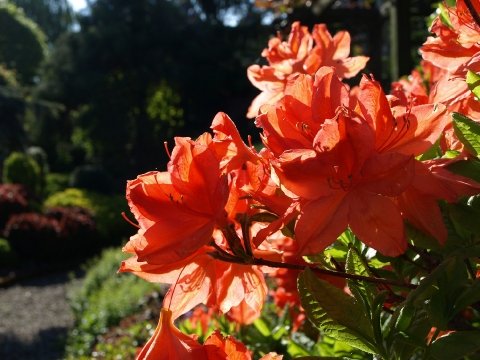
(377, 222)
(169, 343)
(320, 222)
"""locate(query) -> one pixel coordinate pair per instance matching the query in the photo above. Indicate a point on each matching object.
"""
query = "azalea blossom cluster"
(299, 56)
(447, 57)
(224, 214)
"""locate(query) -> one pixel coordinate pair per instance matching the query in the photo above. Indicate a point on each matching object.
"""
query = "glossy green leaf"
(334, 312)
(473, 82)
(421, 239)
(432, 153)
(404, 343)
(466, 216)
(356, 265)
(455, 345)
(470, 295)
(468, 132)
(450, 154)
(467, 168)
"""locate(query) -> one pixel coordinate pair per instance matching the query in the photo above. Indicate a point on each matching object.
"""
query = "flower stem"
(344, 275)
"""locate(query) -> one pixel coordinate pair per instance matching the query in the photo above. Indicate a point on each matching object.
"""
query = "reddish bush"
(13, 200)
(58, 234)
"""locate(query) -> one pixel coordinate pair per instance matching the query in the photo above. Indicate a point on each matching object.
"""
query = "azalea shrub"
(360, 214)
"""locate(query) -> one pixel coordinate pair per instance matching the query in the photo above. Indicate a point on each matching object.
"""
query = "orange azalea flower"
(228, 145)
(231, 348)
(342, 182)
(437, 86)
(457, 49)
(408, 131)
(333, 51)
(228, 348)
(202, 279)
(178, 210)
(295, 120)
(298, 57)
(243, 314)
(169, 343)
(414, 131)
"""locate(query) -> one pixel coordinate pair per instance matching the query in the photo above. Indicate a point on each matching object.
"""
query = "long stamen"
(129, 221)
(165, 143)
(388, 142)
(304, 130)
(341, 184)
(174, 286)
(250, 142)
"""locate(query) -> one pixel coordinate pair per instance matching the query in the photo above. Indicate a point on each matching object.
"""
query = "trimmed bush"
(22, 169)
(56, 182)
(111, 226)
(40, 156)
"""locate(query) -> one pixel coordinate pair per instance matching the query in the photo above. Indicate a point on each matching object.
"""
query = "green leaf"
(474, 202)
(410, 339)
(404, 317)
(468, 251)
(451, 154)
(468, 132)
(356, 265)
(404, 343)
(432, 153)
(334, 312)
(438, 300)
(455, 345)
(466, 216)
(303, 341)
(467, 168)
(421, 239)
(473, 82)
(468, 297)
(444, 16)
(262, 327)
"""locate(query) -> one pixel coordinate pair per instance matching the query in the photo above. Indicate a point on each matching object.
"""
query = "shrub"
(13, 200)
(93, 178)
(56, 182)
(59, 234)
(22, 169)
(77, 225)
(103, 300)
(33, 235)
(111, 227)
(40, 156)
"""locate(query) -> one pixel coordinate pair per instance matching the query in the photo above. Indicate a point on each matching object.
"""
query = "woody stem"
(474, 14)
(345, 275)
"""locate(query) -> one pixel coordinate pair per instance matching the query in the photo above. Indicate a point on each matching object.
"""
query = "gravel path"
(34, 318)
